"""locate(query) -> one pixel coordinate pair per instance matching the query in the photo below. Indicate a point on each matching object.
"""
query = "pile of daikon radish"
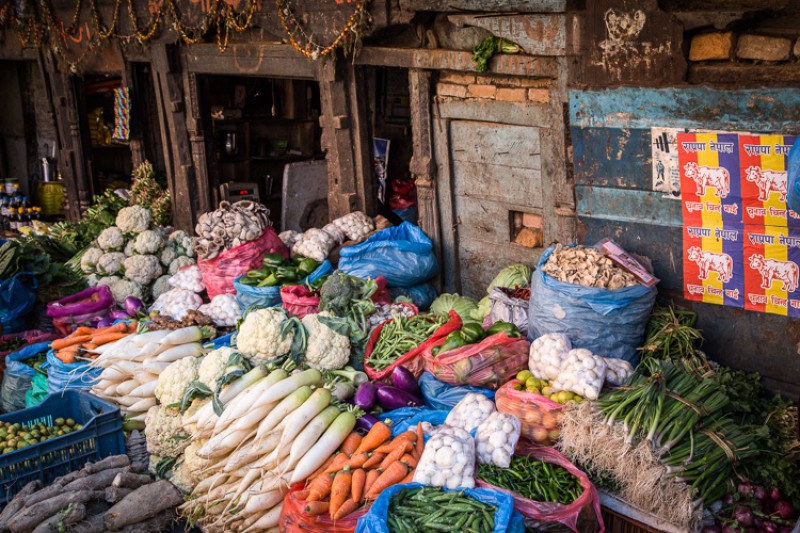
(131, 366)
(275, 430)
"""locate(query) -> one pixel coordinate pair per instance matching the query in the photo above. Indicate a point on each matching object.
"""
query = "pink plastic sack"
(540, 416)
(219, 273)
(299, 300)
(294, 518)
(538, 514)
(489, 363)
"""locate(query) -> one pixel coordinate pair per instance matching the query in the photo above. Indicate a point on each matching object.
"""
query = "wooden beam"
(512, 65)
(451, 268)
(739, 75)
(174, 135)
(194, 126)
(423, 165)
(361, 132)
(538, 35)
(486, 6)
(249, 59)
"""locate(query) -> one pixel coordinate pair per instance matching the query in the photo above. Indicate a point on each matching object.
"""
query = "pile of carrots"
(361, 470)
(82, 343)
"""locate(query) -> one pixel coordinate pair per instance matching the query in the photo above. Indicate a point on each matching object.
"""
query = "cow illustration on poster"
(712, 264)
(710, 182)
(772, 269)
(764, 173)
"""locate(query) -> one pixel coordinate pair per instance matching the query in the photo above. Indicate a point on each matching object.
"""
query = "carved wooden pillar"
(197, 140)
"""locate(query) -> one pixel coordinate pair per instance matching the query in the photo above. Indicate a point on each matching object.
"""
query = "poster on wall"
(664, 152)
(772, 270)
(764, 162)
(712, 264)
(709, 170)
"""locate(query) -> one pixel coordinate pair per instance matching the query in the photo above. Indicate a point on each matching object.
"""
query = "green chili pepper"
(286, 273)
(307, 266)
(273, 260)
(503, 327)
(472, 332)
(297, 259)
(270, 281)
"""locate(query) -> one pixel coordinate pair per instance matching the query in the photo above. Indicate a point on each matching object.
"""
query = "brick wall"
(499, 88)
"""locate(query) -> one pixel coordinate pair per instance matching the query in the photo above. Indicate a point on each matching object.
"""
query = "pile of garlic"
(582, 373)
(547, 355)
(586, 266)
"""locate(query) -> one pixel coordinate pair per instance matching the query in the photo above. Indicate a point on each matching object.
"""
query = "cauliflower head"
(134, 219)
(179, 263)
(121, 288)
(195, 406)
(183, 242)
(168, 255)
(89, 260)
(326, 349)
(148, 242)
(142, 269)
(111, 239)
(110, 263)
(160, 286)
(110, 281)
(189, 470)
(259, 336)
(91, 280)
(218, 363)
(164, 434)
(130, 248)
(174, 380)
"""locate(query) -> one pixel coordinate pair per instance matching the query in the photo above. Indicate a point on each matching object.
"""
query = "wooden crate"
(618, 523)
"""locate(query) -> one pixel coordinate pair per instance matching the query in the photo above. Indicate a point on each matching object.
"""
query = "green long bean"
(401, 335)
(533, 479)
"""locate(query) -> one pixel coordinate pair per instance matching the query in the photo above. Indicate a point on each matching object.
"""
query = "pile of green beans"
(402, 335)
(431, 509)
(533, 479)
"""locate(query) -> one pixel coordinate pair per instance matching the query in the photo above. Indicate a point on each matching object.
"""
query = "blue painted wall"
(610, 134)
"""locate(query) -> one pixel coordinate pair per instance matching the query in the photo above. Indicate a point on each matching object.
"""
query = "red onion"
(743, 515)
(758, 521)
(769, 527)
(759, 492)
(730, 529)
(784, 509)
(745, 488)
(775, 494)
(728, 499)
(785, 529)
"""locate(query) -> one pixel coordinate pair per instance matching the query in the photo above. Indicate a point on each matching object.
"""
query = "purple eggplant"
(133, 305)
(366, 422)
(393, 398)
(365, 395)
(404, 379)
(119, 315)
(105, 322)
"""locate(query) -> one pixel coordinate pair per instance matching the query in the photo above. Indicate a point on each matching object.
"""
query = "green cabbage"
(483, 309)
(463, 305)
(512, 276)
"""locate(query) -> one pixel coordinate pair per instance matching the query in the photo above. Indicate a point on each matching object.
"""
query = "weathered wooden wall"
(610, 132)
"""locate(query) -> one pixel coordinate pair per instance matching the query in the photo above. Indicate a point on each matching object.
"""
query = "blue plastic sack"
(402, 254)
(506, 519)
(247, 295)
(62, 376)
(441, 395)
(610, 323)
(793, 185)
(17, 298)
(421, 295)
(223, 342)
(18, 376)
(408, 417)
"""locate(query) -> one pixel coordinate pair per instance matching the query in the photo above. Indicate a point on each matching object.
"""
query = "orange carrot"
(70, 341)
(67, 355)
(387, 447)
(133, 326)
(319, 487)
(301, 494)
(373, 461)
(372, 475)
(325, 465)
(358, 460)
(357, 484)
(339, 461)
(402, 447)
(83, 330)
(420, 446)
(408, 479)
(409, 460)
(89, 346)
(105, 338)
(120, 327)
(345, 509)
(350, 444)
(340, 490)
(316, 508)
(378, 434)
(391, 476)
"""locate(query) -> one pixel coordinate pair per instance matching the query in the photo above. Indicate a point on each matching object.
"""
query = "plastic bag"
(489, 363)
(448, 460)
(299, 300)
(470, 412)
(547, 355)
(507, 309)
(18, 375)
(248, 295)
(793, 179)
(607, 322)
(402, 254)
(91, 301)
(62, 376)
(421, 295)
(582, 373)
(38, 391)
(568, 515)
(294, 519)
(539, 416)
(219, 273)
(441, 395)
(496, 438)
(407, 418)
(506, 518)
(617, 370)
(17, 298)
(411, 359)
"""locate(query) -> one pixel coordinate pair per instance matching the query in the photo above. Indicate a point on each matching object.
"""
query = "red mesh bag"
(294, 519)
(299, 300)
(411, 359)
(489, 363)
(540, 417)
(581, 516)
(219, 273)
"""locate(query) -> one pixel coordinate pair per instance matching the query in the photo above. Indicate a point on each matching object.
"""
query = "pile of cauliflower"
(136, 258)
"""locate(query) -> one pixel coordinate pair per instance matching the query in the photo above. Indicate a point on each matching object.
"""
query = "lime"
(564, 396)
(524, 375)
(547, 391)
(59, 421)
(70, 422)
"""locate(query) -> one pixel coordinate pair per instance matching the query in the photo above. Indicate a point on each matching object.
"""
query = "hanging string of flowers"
(349, 39)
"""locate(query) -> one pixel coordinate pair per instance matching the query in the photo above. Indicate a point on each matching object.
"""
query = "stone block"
(711, 46)
(763, 48)
(481, 91)
(449, 89)
(510, 95)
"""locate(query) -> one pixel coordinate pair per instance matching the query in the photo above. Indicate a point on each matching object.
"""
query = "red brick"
(481, 91)
(457, 77)
(448, 89)
(510, 95)
(540, 96)
(716, 46)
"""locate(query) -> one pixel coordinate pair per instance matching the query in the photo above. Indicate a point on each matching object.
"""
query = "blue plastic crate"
(100, 436)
